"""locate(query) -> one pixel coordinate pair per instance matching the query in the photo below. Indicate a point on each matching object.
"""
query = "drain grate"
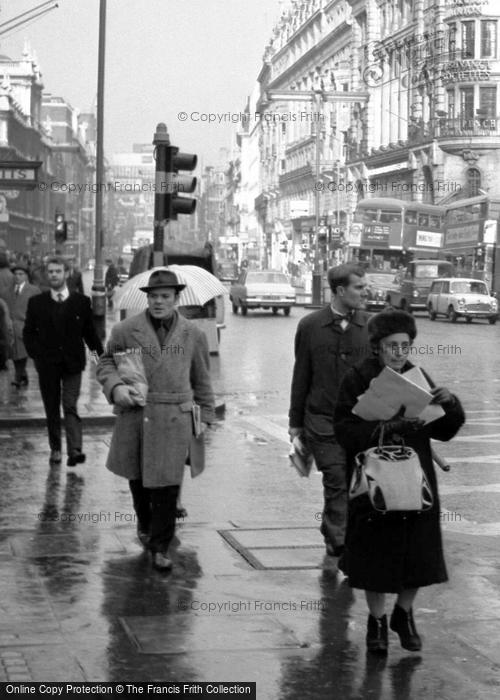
(279, 547)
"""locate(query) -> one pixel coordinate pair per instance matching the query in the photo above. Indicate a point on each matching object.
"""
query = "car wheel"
(287, 310)
(275, 310)
(492, 320)
(432, 313)
(452, 314)
(235, 308)
(469, 319)
(244, 309)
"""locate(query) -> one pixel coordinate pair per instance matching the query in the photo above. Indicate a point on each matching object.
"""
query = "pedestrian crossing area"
(470, 492)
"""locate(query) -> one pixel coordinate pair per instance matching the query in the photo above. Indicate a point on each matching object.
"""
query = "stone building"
(375, 98)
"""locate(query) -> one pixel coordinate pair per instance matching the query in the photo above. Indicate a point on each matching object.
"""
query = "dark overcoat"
(388, 553)
(151, 443)
(323, 354)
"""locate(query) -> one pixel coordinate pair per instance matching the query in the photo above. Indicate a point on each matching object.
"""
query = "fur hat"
(388, 322)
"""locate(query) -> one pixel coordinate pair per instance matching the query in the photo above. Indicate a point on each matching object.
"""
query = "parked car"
(380, 285)
(457, 297)
(265, 289)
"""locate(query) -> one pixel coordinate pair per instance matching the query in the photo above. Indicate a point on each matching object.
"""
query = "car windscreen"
(467, 287)
(266, 278)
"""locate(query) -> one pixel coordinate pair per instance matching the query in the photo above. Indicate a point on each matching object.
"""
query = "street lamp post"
(98, 290)
(317, 277)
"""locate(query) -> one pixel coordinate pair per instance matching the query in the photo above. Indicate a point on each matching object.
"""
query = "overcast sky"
(162, 57)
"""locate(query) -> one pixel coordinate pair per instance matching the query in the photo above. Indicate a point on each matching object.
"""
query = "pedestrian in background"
(75, 281)
(17, 301)
(150, 444)
(6, 339)
(111, 279)
(57, 325)
(6, 276)
(393, 552)
(327, 343)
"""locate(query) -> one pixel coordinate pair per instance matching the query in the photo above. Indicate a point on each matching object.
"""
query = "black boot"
(402, 622)
(376, 635)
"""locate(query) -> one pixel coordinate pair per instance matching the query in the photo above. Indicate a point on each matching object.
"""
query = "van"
(414, 284)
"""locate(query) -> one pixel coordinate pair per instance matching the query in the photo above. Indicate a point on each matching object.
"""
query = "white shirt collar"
(20, 287)
(55, 295)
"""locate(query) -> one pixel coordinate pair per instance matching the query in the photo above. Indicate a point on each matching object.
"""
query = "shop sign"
(429, 239)
(354, 236)
(469, 233)
(457, 71)
(490, 231)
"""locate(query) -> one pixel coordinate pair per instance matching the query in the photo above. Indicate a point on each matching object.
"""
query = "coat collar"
(145, 335)
(327, 317)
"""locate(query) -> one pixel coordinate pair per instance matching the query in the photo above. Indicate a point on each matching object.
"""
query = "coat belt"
(169, 396)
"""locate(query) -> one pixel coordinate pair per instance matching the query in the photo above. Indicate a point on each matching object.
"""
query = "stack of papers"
(390, 390)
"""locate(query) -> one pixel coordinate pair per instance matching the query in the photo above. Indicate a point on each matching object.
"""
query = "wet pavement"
(251, 596)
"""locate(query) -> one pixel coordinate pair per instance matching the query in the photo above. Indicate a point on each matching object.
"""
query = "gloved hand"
(442, 395)
(400, 425)
(123, 395)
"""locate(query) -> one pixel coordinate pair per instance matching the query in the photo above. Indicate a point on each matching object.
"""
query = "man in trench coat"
(150, 443)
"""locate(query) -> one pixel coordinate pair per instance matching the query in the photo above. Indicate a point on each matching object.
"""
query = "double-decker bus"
(385, 230)
(470, 238)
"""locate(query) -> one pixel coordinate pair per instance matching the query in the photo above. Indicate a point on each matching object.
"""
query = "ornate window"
(473, 181)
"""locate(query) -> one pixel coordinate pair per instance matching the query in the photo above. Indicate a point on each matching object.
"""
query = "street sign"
(19, 174)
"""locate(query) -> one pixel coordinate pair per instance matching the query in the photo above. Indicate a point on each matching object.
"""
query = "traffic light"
(284, 247)
(180, 183)
(61, 230)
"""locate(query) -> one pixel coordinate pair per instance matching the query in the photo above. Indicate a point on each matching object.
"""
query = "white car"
(265, 289)
(457, 297)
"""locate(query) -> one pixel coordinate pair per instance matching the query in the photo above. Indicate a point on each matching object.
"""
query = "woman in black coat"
(393, 552)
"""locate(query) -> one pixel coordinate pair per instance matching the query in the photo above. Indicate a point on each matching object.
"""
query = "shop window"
(488, 38)
(473, 181)
(468, 39)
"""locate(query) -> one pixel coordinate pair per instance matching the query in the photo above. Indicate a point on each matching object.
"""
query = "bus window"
(410, 217)
(435, 222)
(368, 216)
(423, 219)
(388, 216)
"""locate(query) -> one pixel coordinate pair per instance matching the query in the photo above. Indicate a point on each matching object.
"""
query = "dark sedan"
(379, 285)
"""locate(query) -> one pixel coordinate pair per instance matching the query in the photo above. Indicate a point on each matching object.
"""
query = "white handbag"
(392, 477)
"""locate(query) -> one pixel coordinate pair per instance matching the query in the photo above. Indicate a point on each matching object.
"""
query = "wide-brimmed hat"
(20, 266)
(163, 278)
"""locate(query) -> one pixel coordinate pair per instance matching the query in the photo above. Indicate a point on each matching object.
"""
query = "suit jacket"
(46, 346)
(75, 282)
(323, 354)
(18, 305)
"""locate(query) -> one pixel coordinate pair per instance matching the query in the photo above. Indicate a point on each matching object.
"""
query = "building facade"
(375, 99)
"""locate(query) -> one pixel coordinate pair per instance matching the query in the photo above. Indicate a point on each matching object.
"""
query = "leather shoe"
(402, 622)
(76, 458)
(181, 513)
(161, 562)
(143, 536)
(376, 635)
(55, 456)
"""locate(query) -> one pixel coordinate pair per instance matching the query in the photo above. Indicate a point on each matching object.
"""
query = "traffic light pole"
(98, 289)
(161, 143)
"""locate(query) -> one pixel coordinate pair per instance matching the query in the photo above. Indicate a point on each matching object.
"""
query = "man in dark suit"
(57, 324)
(75, 281)
(327, 343)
